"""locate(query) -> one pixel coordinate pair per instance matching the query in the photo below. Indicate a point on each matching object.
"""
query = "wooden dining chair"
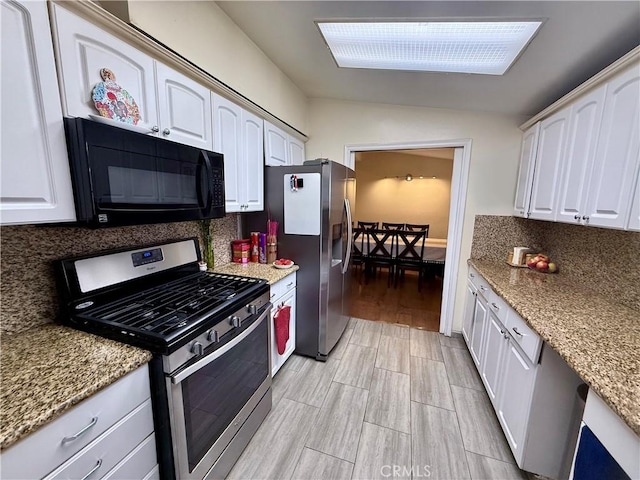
(380, 248)
(410, 254)
(367, 225)
(392, 226)
(358, 258)
(414, 227)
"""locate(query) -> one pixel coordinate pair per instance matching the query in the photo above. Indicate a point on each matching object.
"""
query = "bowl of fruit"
(283, 263)
(542, 263)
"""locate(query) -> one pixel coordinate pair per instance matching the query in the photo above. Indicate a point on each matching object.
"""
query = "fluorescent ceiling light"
(464, 47)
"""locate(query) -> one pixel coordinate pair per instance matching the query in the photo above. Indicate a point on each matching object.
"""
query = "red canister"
(255, 249)
(240, 249)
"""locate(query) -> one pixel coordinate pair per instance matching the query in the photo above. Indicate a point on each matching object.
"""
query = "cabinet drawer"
(529, 341)
(498, 306)
(45, 449)
(281, 287)
(138, 463)
(110, 448)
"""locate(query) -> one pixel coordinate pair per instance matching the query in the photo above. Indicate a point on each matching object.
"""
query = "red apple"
(542, 257)
(542, 266)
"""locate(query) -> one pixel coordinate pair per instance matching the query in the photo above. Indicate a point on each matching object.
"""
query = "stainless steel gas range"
(210, 373)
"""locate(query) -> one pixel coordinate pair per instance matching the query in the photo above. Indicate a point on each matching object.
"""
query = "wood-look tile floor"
(391, 402)
(371, 299)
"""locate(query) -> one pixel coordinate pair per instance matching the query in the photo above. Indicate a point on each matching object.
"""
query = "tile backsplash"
(28, 290)
(603, 260)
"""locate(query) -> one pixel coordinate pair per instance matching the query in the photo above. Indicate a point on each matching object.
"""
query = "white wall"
(201, 32)
(382, 197)
(494, 152)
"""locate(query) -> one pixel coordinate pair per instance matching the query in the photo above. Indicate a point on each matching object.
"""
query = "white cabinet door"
(83, 50)
(275, 146)
(549, 157)
(634, 220)
(34, 166)
(296, 151)
(525, 174)
(491, 359)
(185, 109)
(584, 125)
(277, 360)
(253, 166)
(469, 308)
(227, 139)
(518, 377)
(615, 171)
(478, 329)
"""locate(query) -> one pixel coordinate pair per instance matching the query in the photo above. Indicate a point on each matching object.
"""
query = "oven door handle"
(182, 374)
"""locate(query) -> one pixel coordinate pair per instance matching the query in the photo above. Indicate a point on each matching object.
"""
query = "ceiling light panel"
(464, 47)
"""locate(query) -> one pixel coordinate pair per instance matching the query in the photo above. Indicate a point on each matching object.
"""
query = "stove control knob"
(235, 321)
(212, 336)
(197, 348)
(252, 309)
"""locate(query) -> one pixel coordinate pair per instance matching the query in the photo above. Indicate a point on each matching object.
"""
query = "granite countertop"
(48, 369)
(596, 336)
(256, 270)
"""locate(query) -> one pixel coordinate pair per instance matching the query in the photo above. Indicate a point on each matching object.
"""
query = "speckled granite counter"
(49, 369)
(596, 336)
(256, 270)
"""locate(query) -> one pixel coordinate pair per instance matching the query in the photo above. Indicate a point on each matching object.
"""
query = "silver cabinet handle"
(493, 304)
(577, 217)
(472, 275)
(289, 284)
(502, 332)
(155, 129)
(517, 332)
(93, 421)
(483, 288)
(272, 295)
(166, 131)
(506, 336)
(98, 465)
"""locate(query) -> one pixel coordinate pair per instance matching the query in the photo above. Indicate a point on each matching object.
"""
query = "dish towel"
(281, 326)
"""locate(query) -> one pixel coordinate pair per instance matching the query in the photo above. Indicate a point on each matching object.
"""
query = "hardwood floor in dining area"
(372, 299)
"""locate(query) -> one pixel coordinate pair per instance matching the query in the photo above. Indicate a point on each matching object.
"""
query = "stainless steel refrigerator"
(313, 204)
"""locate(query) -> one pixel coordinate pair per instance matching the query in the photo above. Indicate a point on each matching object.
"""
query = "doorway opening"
(446, 274)
(404, 189)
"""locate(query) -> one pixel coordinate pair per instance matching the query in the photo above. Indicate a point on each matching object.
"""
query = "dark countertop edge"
(560, 351)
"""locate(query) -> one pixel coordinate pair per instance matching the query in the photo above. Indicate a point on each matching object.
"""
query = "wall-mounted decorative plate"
(113, 101)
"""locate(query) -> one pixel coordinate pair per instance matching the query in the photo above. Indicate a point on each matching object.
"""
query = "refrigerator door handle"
(347, 257)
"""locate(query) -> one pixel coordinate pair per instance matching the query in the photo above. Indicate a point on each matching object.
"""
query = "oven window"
(214, 395)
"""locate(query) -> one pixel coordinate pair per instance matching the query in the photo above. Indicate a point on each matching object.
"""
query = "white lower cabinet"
(283, 293)
(109, 434)
(469, 308)
(533, 391)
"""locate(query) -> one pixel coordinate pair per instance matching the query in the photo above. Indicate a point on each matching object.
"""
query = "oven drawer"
(107, 406)
(110, 448)
(281, 287)
(525, 336)
(138, 463)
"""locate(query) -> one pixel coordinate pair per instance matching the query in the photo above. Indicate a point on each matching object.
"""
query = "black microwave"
(121, 177)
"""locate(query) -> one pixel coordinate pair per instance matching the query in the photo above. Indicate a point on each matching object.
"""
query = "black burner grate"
(164, 311)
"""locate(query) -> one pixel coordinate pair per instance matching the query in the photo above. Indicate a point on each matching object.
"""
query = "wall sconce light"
(408, 177)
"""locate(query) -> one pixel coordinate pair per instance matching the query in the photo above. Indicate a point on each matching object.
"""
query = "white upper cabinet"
(275, 146)
(175, 107)
(634, 220)
(185, 109)
(584, 125)
(615, 172)
(280, 148)
(238, 136)
(296, 151)
(525, 174)
(253, 147)
(83, 50)
(34, 167)
(549, 159)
